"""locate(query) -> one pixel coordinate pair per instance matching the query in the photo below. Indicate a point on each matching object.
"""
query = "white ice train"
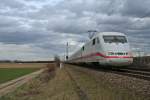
(105, 48)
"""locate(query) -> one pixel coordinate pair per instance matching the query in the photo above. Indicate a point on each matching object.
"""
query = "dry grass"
(53, 84)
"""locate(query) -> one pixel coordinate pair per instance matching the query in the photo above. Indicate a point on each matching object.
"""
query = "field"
(9, 71)
(22, 65)
(7, 74)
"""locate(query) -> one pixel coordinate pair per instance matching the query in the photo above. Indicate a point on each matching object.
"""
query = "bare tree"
(57, 60)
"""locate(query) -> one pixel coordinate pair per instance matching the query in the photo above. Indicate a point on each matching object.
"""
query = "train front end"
(117, 50)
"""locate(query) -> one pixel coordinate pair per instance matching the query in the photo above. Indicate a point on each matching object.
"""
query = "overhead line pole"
(91, 33)
(67, 54)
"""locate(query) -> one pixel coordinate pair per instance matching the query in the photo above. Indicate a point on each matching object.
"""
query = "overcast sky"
(39, 29)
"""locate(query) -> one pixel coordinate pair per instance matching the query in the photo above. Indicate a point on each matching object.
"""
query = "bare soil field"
(22, 65)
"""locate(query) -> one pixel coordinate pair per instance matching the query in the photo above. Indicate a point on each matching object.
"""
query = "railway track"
(133, 73)
(133, 80)
(146, 69)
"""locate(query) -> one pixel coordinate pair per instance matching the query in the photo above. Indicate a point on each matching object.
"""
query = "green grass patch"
(7, 74)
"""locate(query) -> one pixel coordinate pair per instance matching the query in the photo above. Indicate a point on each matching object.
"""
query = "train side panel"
(98, 50)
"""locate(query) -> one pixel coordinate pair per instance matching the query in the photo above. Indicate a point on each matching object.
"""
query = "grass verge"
(53, 84)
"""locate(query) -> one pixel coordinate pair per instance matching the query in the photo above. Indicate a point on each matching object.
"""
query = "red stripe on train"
(102, 55)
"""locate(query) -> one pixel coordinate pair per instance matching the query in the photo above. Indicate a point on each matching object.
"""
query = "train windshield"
(115, 39)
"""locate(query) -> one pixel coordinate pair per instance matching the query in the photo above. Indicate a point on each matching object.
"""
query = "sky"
(40, 29)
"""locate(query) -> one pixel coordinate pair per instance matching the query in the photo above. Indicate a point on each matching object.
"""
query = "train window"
(93, 42)
(116, 39)
(111, 53)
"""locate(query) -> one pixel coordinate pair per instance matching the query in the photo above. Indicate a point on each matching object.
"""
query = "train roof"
(108, 33)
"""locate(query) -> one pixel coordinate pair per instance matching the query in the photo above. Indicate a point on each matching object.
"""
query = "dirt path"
(13, 84)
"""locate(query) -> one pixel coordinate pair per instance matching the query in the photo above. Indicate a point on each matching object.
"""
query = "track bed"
(102, 84)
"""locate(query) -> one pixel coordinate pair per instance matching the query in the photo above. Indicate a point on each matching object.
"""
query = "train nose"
(120, 61)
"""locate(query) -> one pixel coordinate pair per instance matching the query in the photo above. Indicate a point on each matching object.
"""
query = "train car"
(105, 48)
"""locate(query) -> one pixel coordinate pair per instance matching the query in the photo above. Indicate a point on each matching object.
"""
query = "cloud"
(11, 4)
(139, 9)
(72, 25)
(46, 26)
(22, 52)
